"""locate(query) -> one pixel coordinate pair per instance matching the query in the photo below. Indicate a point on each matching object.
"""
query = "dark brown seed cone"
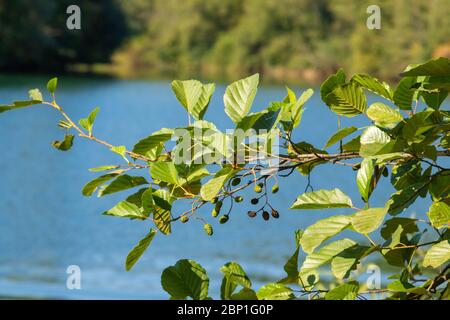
(275, 214)
(266, 215)
(251, 214)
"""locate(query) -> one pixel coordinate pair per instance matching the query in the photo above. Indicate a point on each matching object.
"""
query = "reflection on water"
(47, 225)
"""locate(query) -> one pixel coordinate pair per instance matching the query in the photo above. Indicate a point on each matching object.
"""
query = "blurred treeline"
(34, 36)
(283, 39)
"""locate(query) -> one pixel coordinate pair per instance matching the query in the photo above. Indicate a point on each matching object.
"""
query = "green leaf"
(35, 95)
(323, 199)
(120, 150)
(332, 83)
(291, 266)
(138, 250)
(186, 279)
(373, 140)
(51, 85)
(66, 144)
(234, 272)
(212, 188)
(263, 120)
(419, 124)
(402, 286)
(194, 96)
(347, 260)
(440, 186)
(275, 291)
(165, 171)
(125, 209)
(18, 105)
(234, 275)
(404, 93)
(403, 198)
(244, 294)
(88, 123)
(434, 67)
(374, 85)
(148, 203)
(325, 255)
(353, 145)
(339, 135)
(123, 182)
(346, 291)
(365, 177)
(348, 100)
(322, 230)
(91, 186)
(367, 221)
(154, 140)
(434, 99)
(239, 97)
(383, 115)
(408, 225)
(437, 255)
(64, 124)
(439, 214)
(297, 108)
(162, 210)
(103, 168)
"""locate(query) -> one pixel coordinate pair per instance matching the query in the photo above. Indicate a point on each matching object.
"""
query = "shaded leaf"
(66, 144)
(186, 279)
(123, 182)
(339, 135)
(91, 186)
(139, 250)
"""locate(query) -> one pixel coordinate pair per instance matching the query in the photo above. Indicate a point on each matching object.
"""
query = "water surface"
(47, 225)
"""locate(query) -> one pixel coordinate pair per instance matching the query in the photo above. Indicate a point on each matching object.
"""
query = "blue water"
(47, 225)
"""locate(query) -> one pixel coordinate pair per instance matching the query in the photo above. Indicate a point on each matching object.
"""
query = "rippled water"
(47, 225)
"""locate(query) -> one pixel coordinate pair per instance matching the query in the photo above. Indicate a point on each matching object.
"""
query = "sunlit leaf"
(239, 97)
(346, 291)
(323, 199)
(322, 230)
(437, 255)
(348, 100)
(374, 85)
(364, 178)
(275, 291)
(367, 221)
(439, 214)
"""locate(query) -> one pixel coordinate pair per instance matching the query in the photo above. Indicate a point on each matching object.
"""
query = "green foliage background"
(285, 40)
